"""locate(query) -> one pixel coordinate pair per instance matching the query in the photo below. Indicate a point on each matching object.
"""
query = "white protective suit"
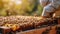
(50, 7)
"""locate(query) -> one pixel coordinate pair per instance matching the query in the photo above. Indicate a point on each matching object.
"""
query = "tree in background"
(20, 7)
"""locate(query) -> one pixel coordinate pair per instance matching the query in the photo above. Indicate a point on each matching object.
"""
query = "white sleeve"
(55, 3)
(44, 2)
(51, 7)
(47, 10)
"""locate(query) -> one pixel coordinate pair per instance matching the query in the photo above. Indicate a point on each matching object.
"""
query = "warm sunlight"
(17, 2)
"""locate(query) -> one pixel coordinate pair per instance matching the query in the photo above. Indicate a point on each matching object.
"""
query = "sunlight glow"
(17, 2)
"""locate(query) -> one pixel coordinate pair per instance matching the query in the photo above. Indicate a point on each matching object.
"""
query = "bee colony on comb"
(25, 23)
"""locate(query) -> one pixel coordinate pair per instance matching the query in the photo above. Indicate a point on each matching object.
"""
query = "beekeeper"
(51, 8)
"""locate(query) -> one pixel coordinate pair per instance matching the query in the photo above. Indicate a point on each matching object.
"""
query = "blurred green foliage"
(27, 7)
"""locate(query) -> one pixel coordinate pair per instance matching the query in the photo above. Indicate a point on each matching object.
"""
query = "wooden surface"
(40, 31)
